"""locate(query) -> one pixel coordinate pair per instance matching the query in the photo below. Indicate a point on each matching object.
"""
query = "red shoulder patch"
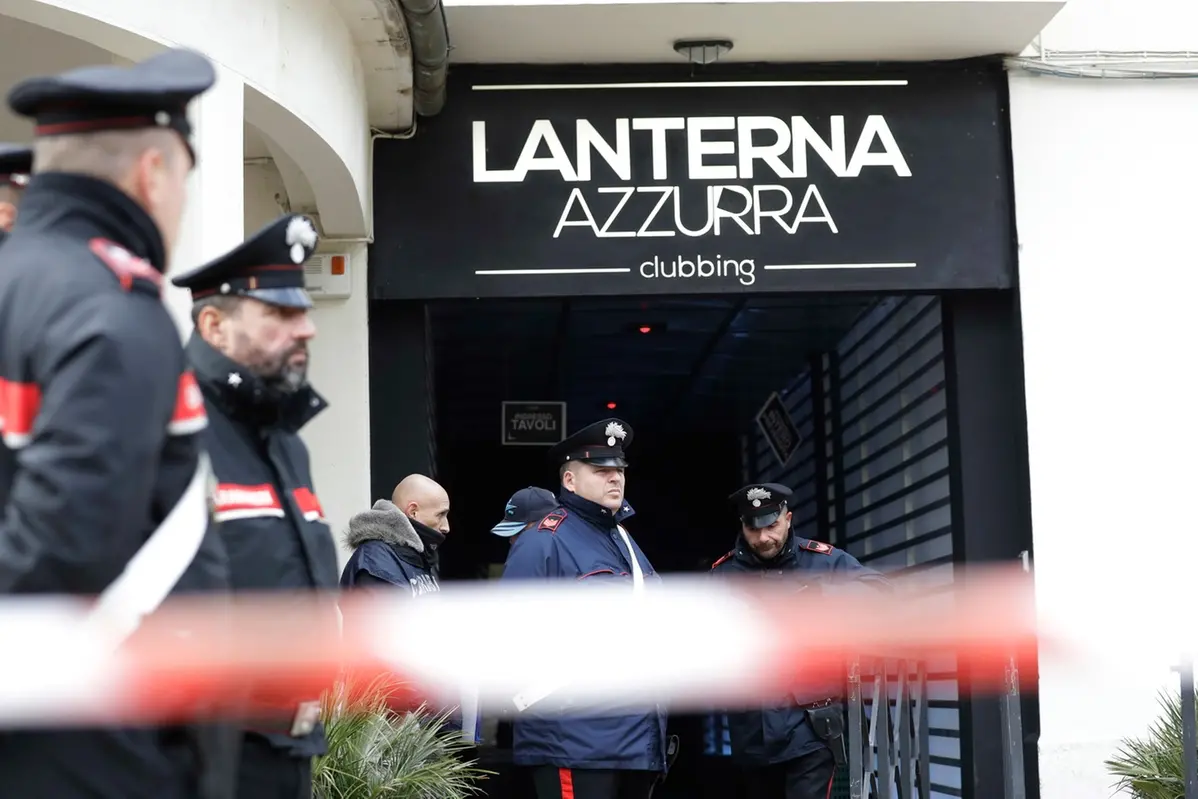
(724, 558)
(552, 521)
(19, 406)
(125, 265)
(818, 546)
(190, 415)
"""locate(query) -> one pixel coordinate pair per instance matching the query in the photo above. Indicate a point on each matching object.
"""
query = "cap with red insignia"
(269, 266)
(760, 504)
(150, 94)
(16, 164)
(599, 444)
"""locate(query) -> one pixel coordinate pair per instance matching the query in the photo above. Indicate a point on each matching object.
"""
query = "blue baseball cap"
(526, 505)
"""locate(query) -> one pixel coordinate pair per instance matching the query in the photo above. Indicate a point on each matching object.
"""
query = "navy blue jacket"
(579, 541)
(389, 549)
(782, 733)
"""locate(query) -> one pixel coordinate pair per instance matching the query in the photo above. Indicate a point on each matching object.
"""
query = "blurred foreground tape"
(691, 643)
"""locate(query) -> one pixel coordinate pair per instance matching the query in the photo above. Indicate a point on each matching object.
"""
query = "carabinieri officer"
(790, 752)
(250, 356)
(100, 419)
(575, 756)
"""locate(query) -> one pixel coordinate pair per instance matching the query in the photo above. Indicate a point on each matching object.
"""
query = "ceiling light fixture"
(702, 51)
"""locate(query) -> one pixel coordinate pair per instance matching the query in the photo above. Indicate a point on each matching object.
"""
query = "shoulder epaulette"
(552, 520)
(731, 552)
(818, 546)
(131, 271)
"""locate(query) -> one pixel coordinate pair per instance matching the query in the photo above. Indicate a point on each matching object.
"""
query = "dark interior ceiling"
(707, 362)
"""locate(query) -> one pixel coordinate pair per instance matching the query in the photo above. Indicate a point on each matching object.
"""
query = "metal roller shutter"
(881, 488)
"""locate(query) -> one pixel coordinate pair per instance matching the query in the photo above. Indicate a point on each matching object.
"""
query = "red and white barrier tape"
(689, 643)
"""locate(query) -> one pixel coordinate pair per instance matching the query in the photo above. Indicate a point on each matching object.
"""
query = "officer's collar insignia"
(301, 237)
(614, 430)
(756, 495)
(234, 379)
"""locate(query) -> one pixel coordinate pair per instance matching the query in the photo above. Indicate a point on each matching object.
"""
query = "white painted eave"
(381, 40)
(641, 31)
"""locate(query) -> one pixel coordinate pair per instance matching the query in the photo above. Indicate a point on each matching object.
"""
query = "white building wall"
(1103, 174)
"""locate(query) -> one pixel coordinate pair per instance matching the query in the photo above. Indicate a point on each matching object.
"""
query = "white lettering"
(769, 153)
(631, 214)
(704, 145)
(658, 127)
(575, 195)
(628, 192)
(876, 128)
(556, 161)
(680, 267)
(666, 193)
(804, 136)
(543, 422)
(619, 158)
(696, 148)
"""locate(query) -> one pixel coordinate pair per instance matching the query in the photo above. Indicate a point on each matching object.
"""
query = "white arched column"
(214, 221)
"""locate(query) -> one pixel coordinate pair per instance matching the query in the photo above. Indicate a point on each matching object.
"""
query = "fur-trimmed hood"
(384, 522)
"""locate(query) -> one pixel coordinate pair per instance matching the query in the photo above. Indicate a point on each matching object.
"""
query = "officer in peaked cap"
(16, 164)
(108, 434)
(789, 751)
(583, 540)
(153, 93)
(598, 444)
(267, 267)
(249, 351)
(760, 505)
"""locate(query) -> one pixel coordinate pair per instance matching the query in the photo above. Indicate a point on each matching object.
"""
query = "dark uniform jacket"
(579, 541)
(389, 548)
(270, 518)
(779, 734)
(99, 420)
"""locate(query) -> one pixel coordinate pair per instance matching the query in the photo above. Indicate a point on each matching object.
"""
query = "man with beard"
(16, 164)
(249, 352)
(789, 751)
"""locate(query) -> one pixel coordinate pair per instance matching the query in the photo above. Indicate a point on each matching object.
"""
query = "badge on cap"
(756, 495)
(301, 237)
(614, 430)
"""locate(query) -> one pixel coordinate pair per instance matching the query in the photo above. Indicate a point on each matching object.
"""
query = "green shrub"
(1152, 767)
(375, 753)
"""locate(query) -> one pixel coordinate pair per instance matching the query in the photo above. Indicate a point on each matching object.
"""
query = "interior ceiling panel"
(707, 361)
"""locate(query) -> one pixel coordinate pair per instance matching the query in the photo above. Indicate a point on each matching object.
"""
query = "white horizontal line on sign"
(706, 84)
(581, 271)
(907, 265)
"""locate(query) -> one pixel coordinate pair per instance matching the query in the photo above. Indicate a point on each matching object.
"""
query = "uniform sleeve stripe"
(19, 406)
(190, 415)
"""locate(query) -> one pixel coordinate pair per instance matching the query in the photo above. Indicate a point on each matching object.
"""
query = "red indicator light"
(645, 329)
(611, 406)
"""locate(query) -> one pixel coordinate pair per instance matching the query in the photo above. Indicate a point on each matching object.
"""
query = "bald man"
(396, 543)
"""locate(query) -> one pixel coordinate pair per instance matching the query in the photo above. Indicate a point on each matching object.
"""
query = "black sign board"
(544, 185)
(533, 424)
(779, 429)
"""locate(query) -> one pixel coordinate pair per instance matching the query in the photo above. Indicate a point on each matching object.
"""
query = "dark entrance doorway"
(868, 381)
(688, 373)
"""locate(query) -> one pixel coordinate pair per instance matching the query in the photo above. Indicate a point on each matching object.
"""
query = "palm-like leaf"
(1152, 767)
(375, 753)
